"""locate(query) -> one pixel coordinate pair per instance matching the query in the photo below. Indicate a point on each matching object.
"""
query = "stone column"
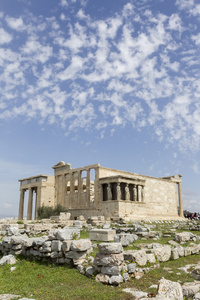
(142, 193)
(127, 193)
(80, 188)
(88, 189)
(119, 196)
(30, 204)
(63, 190)
(71, 190)
(180, 200)
(21, 204)
(134, 193)
(109, 191)
(139, 193)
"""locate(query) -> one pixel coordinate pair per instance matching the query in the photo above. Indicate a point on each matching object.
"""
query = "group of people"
(192, 216)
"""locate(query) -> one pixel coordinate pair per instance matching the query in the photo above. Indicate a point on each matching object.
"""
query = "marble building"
(98, 191)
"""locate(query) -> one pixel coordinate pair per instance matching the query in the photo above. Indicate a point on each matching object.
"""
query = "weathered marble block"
(104, 235)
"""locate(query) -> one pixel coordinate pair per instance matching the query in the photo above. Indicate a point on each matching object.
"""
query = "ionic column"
(30, 204)
(119, 196)
(127, 193)
(180, 200)
(134, 193)
(109, 192)
(142, 193)
(88, 189)
(21, 204)
(80, 188)
(63, 190)
(71, 190)
(139, 193)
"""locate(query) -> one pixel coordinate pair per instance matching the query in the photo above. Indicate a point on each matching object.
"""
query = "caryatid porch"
(122, 188)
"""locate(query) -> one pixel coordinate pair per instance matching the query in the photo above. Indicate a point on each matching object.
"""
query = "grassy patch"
(40, 281)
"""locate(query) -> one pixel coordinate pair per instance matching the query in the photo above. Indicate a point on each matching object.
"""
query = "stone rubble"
(112, 264)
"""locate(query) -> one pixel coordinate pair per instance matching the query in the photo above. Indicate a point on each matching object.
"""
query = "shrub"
(45, 212)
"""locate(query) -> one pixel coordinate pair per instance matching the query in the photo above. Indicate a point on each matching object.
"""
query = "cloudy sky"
(109, 82)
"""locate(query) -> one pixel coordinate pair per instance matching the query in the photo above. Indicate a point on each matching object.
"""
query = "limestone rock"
(110, 248)
(174, 253)
(67, 233)
(131, 268)
(125, 239)
(151, 258)
(56, 245)
(112, 270)
(190, 289)
(13, 231)
(162, 253)
(115, 280)
(196, 272)
(81, 245)
(169, 289)
(140, 257)
(183, 237)
(108, 259)
(196, 296)
(102, 278)
(8, 259)
(89, 271)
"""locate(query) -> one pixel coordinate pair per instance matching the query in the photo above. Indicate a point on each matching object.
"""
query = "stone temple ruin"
(98, 191)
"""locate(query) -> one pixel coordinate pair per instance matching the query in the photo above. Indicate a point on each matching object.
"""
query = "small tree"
(45, 212)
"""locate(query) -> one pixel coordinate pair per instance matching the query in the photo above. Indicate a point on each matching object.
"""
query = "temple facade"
(98, 191)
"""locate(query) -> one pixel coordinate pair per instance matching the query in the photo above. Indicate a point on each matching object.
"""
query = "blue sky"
(109, 82)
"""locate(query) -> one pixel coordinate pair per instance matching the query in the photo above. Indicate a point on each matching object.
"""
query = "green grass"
(40, 281)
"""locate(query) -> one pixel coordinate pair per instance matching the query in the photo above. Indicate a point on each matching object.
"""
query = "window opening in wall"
(84, 178)
(76, 186)
(92, 179)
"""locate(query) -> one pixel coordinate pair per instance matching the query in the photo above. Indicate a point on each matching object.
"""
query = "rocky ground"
(112, 252)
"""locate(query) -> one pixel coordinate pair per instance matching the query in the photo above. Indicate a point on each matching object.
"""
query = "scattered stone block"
(8, 259)
(108, 259)
(110, 248)
(115, 280)
(81, 245)
(140, 257)
(163, 253)
(104, 235)
(102, 278)
(170, 289)
(111, 270)
(67, 233)
(190, 289)
(131, 268)
(196, 272)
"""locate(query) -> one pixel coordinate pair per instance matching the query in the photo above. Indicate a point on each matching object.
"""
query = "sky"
(99, 81)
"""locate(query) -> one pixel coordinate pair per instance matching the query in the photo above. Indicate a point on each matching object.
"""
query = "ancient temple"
(98, 191)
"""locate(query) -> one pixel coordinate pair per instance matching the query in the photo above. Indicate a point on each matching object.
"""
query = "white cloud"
(64, 3)
(5, 37)
(175, 22)
(15, 23)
